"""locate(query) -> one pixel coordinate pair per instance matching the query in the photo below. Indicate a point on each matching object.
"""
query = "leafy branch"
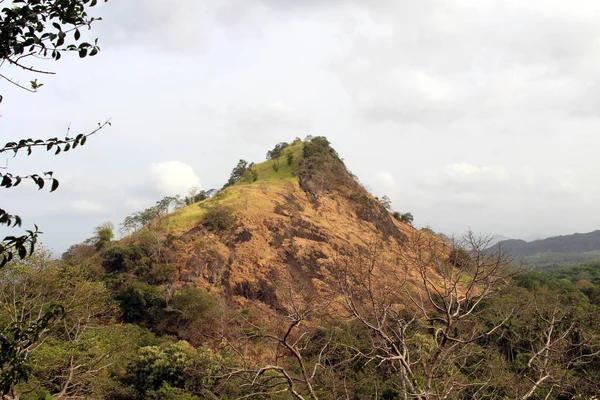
(56, 144)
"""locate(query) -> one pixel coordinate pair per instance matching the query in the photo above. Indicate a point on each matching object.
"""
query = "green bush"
(168, 392)
(219, 218)
(116, 259)
(175, 371)
(192, 304)
(140, 303)
(406, 218)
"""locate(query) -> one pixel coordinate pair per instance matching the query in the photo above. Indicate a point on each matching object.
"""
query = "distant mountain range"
(556, 251)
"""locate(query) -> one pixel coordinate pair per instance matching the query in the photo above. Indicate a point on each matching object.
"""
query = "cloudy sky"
(468, 113)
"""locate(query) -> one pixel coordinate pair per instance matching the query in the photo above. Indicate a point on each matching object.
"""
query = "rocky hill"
(280, 221)
(294, 279)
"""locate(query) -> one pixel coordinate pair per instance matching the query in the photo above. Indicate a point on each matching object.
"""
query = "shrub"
(290, 158)
(103, 234)
(192, 304)
(406, 218)
(277, 151)
(167, 392)
(116, 259)
(140, 303)
(160, 273)
(219, 218)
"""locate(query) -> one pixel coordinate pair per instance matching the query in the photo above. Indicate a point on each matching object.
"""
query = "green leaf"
(77, 34)
(54, 185)
(22, 251)
(82, 53)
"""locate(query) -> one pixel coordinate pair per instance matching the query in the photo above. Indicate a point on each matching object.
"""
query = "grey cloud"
(481, 49)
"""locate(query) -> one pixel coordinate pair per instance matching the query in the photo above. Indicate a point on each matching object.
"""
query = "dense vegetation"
(129, 332)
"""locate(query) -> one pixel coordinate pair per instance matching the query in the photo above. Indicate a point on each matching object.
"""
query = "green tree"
(238, 172)
(407, 218)
(178, 366)
(277, 151)
(103, 235)
(141, 303)
(32, 288)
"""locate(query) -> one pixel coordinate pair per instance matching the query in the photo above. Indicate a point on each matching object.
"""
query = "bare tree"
(554, 343)
(290, 370)
(423, 311)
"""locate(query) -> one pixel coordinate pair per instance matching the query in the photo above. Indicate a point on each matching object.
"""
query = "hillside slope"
(287, 226)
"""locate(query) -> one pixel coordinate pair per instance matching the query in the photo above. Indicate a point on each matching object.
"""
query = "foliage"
(103, 234)
(489, 343)
(406, 218)
(39, 286)
(38, 29)
(290, 158)
(218, 217)
(168, 392)
(286, 172)
(192, 305)
(321, 167)
(140, 219)
(277, 151)
(16, 341)
(116, 259)
(44, 28)
(242, 172)
(556, 252)
(196, 195)
(140, 302)
(178, 366)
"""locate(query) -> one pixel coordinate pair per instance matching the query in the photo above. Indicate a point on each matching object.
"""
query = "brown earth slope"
(290, 227)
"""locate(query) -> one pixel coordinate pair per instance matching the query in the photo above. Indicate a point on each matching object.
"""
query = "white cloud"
(386, 180)
(174, 177)
(86, 207)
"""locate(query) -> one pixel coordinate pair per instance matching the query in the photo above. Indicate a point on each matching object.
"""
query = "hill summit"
(278, 221)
